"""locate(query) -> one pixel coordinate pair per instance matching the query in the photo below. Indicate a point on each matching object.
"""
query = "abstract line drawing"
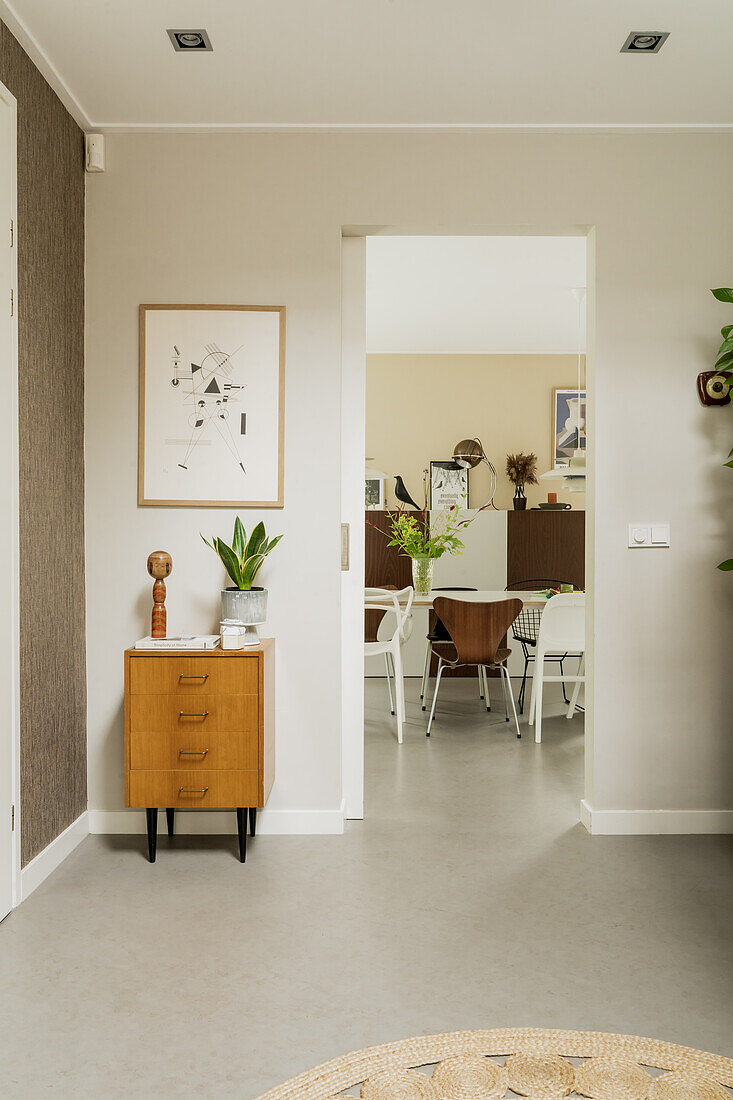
(211, 406)
(207, 390)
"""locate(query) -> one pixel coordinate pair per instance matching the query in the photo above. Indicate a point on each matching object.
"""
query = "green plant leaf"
(256, 539)
(271, 544)
(730, 464)
(251, 569)
(240, 538)
(209, 544)
(726, 331)
(724, 359)
(230, 562)
(726, 566)
(726, 346)
(723, 294)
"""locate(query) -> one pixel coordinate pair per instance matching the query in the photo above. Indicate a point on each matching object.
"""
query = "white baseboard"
(224, 822)
(654, 822)
(42, 865)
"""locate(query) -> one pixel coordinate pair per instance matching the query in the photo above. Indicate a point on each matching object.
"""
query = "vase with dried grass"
(521, 470)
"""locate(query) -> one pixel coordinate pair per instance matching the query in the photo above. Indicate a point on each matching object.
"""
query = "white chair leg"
(389, 684)
(487, 696)
(399, 690)
(538, 664)
(425, 674)
(576, 689)
(435, 695)
(505, 674)
(480, 678)
(506, 701)
(539, 673)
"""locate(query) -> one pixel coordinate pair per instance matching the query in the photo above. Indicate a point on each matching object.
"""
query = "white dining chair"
(398, 604)
(562, 630)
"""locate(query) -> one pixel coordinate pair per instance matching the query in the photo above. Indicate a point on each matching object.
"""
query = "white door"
(8, 496)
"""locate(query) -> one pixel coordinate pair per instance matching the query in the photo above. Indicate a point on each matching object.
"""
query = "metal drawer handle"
(198, 676)
(192, 752)
(192, 790)
(193, 714)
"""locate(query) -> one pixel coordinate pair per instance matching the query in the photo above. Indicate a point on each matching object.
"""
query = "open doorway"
(474, 338)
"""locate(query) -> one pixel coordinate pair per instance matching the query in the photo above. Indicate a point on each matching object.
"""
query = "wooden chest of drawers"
(199, 732)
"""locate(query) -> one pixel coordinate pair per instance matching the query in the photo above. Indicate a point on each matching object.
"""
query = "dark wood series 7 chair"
(477, 631)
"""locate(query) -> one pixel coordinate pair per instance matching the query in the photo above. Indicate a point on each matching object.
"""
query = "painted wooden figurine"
(160, 565)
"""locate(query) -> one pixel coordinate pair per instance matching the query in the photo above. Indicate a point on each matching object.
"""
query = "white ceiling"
(356, 63)
(490, 295)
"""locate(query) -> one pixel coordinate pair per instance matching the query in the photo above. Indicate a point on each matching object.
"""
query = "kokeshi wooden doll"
(160, 565)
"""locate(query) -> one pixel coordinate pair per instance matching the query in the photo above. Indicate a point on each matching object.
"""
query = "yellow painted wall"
(419, 406)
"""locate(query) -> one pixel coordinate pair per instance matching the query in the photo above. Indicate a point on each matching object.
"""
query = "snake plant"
(243, 559)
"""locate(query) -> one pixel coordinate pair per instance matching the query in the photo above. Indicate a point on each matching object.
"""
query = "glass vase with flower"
(424, 537)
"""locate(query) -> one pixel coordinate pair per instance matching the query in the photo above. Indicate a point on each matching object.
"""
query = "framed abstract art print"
(211, 412)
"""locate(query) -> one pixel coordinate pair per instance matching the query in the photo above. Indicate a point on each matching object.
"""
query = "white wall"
(258, 218)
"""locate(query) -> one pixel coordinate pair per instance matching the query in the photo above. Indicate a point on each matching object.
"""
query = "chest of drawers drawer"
(180, 675)
(191, 715)
(201, 790)
(192, 750)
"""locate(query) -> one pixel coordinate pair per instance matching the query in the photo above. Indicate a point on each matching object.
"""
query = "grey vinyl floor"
(468, 898)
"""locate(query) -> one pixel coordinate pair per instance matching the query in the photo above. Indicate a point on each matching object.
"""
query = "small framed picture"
(374, 493)
(448, 485)
(568, 424)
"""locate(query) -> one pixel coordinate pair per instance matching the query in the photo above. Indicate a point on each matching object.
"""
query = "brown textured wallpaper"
(51, 439)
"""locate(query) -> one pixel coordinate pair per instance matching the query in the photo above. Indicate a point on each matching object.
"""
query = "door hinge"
(12, 304)
(12, 819)
(12, 233)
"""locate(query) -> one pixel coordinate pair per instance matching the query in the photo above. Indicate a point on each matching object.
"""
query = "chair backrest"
(476, 629)
(562, 627)
(535, 585)
(397, 603)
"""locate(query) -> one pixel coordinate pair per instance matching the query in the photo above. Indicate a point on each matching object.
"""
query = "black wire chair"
(526, 628)
(439, 634)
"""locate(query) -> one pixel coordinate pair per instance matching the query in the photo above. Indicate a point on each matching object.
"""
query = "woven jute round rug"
(511, 1062)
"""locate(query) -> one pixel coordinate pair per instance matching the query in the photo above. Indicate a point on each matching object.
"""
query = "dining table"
(529, 599)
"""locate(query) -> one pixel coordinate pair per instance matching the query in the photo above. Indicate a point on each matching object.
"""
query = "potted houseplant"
(243, 602)
(521, 470)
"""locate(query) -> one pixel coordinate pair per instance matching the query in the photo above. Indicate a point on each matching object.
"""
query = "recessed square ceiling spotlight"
(190, 40)
(645, 42)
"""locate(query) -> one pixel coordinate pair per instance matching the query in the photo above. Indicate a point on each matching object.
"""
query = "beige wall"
(258, 219)
(419, 406)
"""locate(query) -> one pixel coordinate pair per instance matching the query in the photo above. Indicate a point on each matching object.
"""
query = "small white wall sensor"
(94, 149)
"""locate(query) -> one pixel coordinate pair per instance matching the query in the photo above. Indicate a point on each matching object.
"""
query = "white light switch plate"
(648, 535)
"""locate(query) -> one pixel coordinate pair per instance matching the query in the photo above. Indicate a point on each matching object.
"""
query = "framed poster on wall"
(211, 406)
(448, 485)
(568, 424)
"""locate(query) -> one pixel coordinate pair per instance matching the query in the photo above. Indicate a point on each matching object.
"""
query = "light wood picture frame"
(211, 416)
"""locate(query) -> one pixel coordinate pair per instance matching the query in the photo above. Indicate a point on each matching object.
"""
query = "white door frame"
(353, 408)
(10, 687)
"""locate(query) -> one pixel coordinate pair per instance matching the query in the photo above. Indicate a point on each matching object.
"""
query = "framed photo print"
(211, 406)
(448, 485)
(568, 424)
(373, 492)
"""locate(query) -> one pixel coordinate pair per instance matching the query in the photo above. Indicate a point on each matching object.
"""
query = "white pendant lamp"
(573, 475)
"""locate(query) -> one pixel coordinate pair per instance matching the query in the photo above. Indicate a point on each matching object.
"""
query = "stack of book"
(185, 641)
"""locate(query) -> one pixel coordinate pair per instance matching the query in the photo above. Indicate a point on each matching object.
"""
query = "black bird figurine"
(402, 494)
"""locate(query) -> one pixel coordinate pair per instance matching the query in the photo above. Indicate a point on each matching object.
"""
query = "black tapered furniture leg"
(242, 832)
(252, 820)
(152, 821)
(169, 817)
